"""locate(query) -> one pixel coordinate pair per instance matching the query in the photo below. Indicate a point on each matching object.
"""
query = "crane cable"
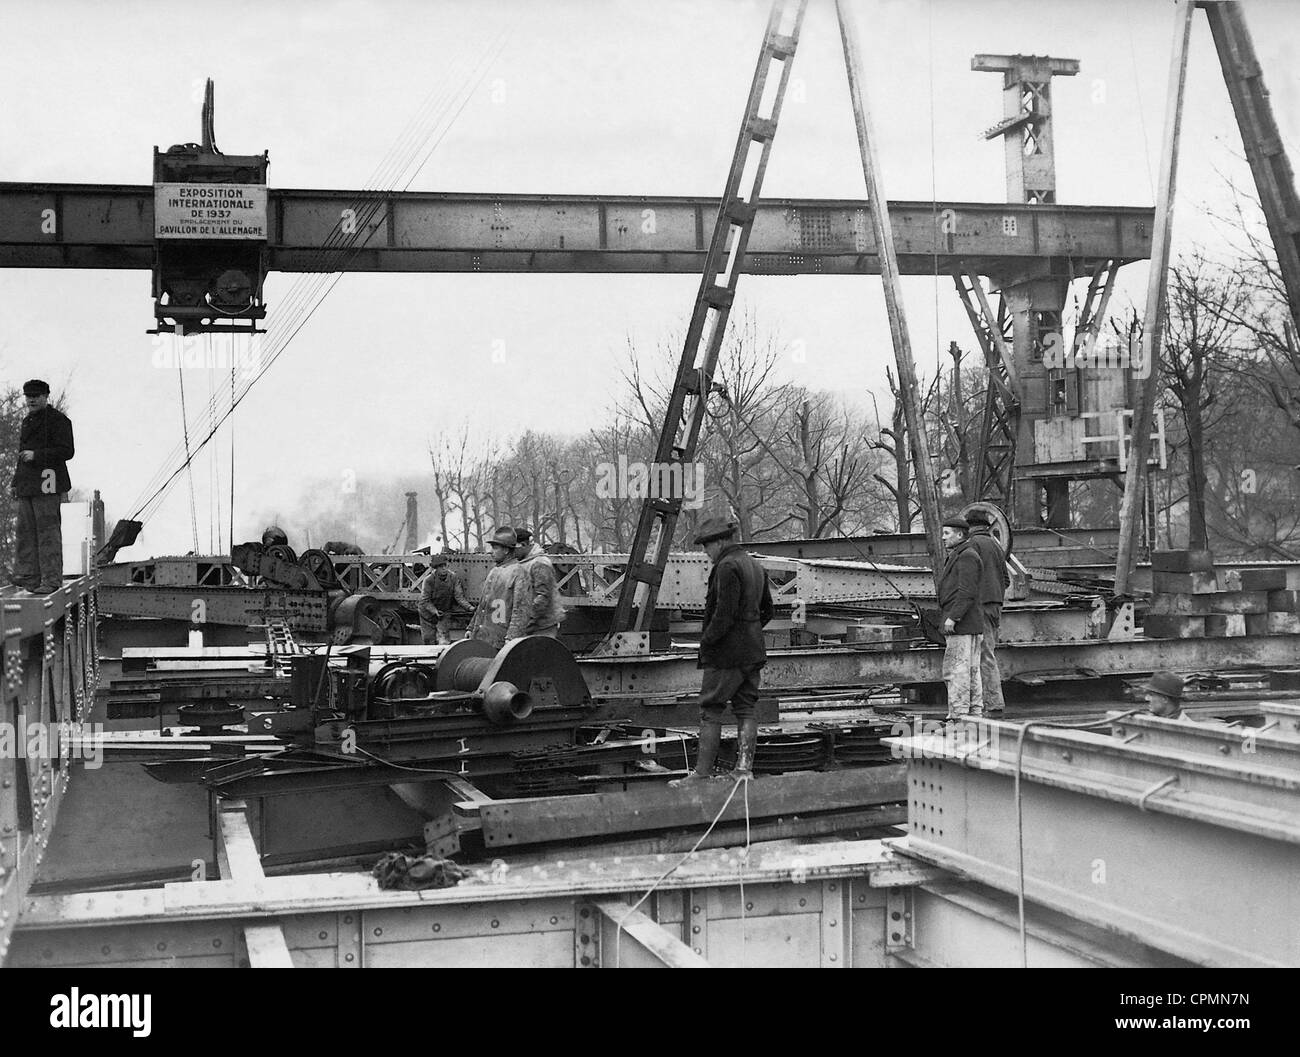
(307, 295)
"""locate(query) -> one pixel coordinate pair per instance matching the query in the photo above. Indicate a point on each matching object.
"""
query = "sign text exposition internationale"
(209, 211)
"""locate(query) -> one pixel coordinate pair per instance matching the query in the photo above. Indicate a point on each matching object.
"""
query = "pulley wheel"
(1000, 524)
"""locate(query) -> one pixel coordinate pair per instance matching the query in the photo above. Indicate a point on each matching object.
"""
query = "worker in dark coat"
(732, 653)
(441, 596)
(994, 581)
(963, 621)
(41, 484)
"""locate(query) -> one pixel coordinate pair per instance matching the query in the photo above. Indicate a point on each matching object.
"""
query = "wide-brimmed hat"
(523, 534)
(714, 528)
(504, 537)
(1166, 683)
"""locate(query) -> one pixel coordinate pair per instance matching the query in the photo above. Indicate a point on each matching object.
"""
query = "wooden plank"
(267, 948)
(1198, 583)
(671, 952)
(525, 821)
(1182, 562)
(239, 861)
(1166, 627)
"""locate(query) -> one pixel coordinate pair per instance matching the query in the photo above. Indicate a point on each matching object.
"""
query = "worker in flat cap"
(963, 620)
(994, 581)
(545, 611)
(40, 485)
(737, 607)
(1164, 695)
(442, 596)
(503, 608)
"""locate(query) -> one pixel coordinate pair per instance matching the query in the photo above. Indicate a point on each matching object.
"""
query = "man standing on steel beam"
(963, 621)
(994, 581)
(503, 608)
(41, 484)
(737, 607)
(545, 609)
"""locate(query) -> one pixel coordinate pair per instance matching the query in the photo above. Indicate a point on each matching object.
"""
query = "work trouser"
(437, 630)
(961, 671)
(737, 685)
(38, 548)
(990, 676)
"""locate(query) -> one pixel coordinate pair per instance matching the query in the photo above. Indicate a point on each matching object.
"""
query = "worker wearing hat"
(545, 611)
(1164, 695)
(441, 596)
(994, 581)
(737, 606)
(963, 620)
(40, 484)
(503, 608)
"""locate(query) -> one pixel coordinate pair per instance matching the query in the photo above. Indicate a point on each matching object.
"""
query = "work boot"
(746, 748)
(710, 739)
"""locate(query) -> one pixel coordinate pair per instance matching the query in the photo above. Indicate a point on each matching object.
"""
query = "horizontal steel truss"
(584, 580)
(1186, 853)
(112, 226)
(51, 672)
(830, 667)
(852, 667)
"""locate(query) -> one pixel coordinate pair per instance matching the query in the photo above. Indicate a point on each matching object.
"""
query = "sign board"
(209, 211)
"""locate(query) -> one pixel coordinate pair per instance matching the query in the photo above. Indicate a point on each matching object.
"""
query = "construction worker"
(341, 547)
(441, 595)
(41, 484)
(274, 536)
(963, 621)
(732, 654)
(545, 608)
(503, 608)
(1164, 695)
(994, 580)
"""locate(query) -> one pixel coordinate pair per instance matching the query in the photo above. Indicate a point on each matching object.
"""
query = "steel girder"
(1188, 854)
(849, 667)
(46, 225)
(51, 672)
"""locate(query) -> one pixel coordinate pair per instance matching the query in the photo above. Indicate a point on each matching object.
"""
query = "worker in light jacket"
(994, 580)
(545, 610)
(41, 484)
(736, 608)
(503, 609)
(963, 621)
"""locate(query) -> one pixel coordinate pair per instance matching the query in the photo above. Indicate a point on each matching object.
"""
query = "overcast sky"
(585, 97)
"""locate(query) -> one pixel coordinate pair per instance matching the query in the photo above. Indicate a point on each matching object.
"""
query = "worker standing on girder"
(503, 608)
(441, 595)
(545, 610)
(994, 581)
(963, 621)
(40, 484)
(737, 607)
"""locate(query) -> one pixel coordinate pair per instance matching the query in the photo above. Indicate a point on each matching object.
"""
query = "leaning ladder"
(679, 437)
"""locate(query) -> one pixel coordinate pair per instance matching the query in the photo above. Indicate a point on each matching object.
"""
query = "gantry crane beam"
(44, 225)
